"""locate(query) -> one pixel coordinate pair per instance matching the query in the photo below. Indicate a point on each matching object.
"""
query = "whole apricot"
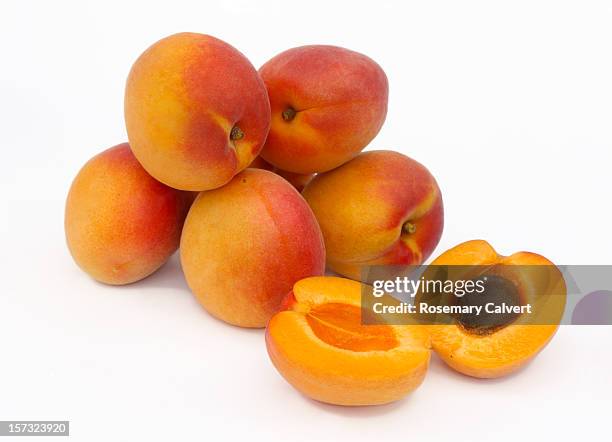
(245, 244)
(196, 111)
(381, 208)
(327, 104)
(121, 224)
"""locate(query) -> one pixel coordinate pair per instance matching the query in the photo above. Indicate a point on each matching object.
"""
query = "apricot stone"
(327, 104)
(245, 244)
(196, 111)
(121, 224)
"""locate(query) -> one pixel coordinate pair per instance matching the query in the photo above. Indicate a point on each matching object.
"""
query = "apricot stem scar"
(236, 134)
(408, 227)
(289, 114)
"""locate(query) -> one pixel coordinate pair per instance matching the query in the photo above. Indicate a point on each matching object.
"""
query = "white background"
(508, 103)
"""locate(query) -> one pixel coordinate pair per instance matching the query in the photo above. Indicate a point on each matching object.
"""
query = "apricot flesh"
(121, 224)
(245, 244)
(320, 346)
(498, 351)
(338, 324)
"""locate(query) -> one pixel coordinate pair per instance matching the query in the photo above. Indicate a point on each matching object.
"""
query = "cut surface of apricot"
(320, 346)
(340, 325)
(490, 350)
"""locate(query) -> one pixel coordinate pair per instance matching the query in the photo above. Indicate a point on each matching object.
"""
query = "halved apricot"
(320, 346)
(495, 351)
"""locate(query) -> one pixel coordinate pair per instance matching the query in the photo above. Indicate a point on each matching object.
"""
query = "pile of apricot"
(259, 178)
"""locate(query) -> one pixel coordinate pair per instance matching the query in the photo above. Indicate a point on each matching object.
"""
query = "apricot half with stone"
(525, 297)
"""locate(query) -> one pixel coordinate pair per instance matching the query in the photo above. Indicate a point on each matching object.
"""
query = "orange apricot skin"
(337, 101)
(363, 206)
(121, 224)
(333, 375)
(507, 350)
(196, 111)
(245, 244)
(297, 180)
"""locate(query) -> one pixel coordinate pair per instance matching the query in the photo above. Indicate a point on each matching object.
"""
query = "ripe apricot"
(245, 244)
(196, 111)
(380, 208)
(297, 180)
(320, 346)
(327, 104)
(491, 348)
(121, 224)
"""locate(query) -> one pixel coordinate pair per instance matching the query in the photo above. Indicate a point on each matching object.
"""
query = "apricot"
(121, 224)
(196, 111)
(490, 349)
(245, 244)
(260, 163)
(381, 208)
(319, 345)
(327, 104)
(297, 180)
